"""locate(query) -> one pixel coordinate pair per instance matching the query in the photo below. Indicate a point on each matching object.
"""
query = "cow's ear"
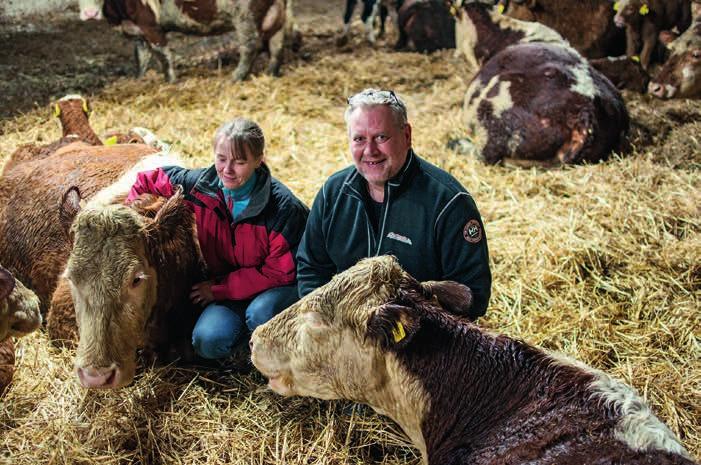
(393, 325)
(454, 297)
(69, 208)
(169, 215)
(667, 37)
(7, 283)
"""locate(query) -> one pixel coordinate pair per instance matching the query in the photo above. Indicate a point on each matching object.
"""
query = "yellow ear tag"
(500, 8)
(644, 9)
(57, 110)
(398, 332)
(615, 6)
(635, 58)
(85, 106)
(111, 140)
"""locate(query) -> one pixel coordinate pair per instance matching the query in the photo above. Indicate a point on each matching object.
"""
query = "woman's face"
(233, 171)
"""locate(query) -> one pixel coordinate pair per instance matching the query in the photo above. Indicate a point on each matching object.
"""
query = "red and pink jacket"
(247, 256)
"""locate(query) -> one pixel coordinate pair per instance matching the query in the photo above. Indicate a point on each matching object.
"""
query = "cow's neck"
(75, 123)
(450, 396)
(487, 35)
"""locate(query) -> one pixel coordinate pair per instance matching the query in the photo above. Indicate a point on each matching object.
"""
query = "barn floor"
(601, 262)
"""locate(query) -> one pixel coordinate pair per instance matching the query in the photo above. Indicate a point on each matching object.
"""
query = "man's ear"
(454, 297)
(393, 325)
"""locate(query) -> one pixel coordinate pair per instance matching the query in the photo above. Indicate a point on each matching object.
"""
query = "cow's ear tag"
(398, 332)
(500, 8)
(644, 9)
(57, 110)
(635, 58)
(111, 140)
(615, 6)
(85, 106)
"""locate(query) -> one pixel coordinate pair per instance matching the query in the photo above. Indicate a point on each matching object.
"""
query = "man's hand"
(201, 293)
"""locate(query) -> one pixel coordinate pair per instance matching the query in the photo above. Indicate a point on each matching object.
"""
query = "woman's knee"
(216, 332)
(268, 304)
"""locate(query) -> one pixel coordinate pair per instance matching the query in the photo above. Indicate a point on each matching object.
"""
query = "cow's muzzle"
(90, 13)
(100, 377)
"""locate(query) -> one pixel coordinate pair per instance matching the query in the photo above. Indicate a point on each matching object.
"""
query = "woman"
(248, 225)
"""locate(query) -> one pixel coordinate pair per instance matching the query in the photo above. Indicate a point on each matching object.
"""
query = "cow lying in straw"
(130, 272)
(375, 335)
(19, 315)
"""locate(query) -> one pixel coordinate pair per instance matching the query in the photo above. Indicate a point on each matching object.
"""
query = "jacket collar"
(208, 185)
(357, 183)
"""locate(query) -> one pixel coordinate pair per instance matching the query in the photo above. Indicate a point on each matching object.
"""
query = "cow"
(462, 395)
(680, 76)
(586, 24)
(623, 72)
(426, 24)
(129, 274)
(19, 315)
(367, 16)
(535, 100)
(644, 20)
(256, 23)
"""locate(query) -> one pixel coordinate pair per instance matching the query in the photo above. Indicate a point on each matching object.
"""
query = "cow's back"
(586, 24)
(33, 243)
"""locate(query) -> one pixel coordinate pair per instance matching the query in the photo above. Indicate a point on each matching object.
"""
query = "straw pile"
(600, 262)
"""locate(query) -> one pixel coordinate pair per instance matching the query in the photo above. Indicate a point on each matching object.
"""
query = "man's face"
(378, 145)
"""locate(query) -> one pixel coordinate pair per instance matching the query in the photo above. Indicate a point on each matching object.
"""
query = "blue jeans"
(221, 325)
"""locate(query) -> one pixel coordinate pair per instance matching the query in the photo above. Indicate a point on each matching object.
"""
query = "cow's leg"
(165, 57)
(247, 35)
(276, 47)
(370, 12)
(383, 18)
(632, 41)
(142, 54)
(649, 37)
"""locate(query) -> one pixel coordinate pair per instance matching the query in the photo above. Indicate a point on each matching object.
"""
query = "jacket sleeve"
(464, 254)
(155, 182)
(314, 266)
(278, 269)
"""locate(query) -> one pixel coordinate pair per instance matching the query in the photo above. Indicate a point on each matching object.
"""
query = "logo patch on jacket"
(399, 237)
(472, 232)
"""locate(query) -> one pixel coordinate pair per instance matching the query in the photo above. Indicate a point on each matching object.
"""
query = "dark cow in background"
(586, 24)
(463, 396)
(258, 23)
(680, 76)
(19, 315)
(623, 72)
(535, 100)
(426, 24)
(130, 272)
(367, 16)
(644, 20)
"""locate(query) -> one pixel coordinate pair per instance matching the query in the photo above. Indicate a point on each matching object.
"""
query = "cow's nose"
(98, 377)
(22, 323)
(656, 89)
(89, 13)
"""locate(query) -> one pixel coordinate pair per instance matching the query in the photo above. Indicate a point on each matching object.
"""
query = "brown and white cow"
(257, 23)
(680, 76)
(426, 24)
(586, 24)
(643, 21)
(534, 100)
(19, 315)
(130, 271)
(463, 396)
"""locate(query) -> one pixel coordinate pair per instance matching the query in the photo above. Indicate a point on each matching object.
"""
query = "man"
(391, 202)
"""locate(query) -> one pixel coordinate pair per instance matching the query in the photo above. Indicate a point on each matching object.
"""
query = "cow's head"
(112, 271)
(90, 9)
(19, 307)
(628, 12)
(337, 341)
(680, 76)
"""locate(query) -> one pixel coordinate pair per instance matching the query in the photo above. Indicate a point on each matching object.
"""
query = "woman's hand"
(201, 293)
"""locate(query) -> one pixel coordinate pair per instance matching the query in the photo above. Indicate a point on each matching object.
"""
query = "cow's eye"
(137, 280)
(696, 54)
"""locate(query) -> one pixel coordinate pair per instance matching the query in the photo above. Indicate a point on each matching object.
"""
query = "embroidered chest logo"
(398, 237)
(472, 232)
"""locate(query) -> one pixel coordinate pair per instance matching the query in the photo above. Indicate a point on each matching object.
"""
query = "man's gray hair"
(375, 97)
(243, 137)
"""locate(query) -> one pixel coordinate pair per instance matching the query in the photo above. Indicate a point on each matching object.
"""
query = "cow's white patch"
(637, 427)
(583, 82)
(155, 6)
(466, 40)
(688, 73)
(502, 101)
(122, 185)
(533, 31)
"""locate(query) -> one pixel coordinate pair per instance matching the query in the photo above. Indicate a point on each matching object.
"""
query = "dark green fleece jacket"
(429, 222)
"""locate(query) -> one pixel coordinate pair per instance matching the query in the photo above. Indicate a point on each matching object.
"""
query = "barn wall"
(17, 8)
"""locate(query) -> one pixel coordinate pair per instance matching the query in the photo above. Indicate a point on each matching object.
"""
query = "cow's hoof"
(239, 75)
(274, 70)
(341, 40)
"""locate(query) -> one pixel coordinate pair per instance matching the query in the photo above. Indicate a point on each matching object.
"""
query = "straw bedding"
(601, 262)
